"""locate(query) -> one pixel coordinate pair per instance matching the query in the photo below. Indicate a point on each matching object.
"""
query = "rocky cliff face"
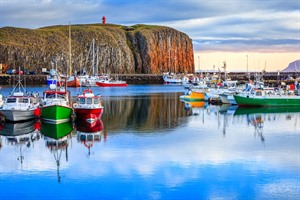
(117, 49)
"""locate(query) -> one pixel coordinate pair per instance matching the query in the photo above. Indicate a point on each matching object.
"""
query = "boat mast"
(70, 52)
(169, 63)
(93, 61)
(225, 71)
(97, 60)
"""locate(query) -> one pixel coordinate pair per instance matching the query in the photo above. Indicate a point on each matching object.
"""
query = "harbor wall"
(270, 78)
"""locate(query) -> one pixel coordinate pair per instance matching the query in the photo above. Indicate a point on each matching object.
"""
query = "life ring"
(87, 91)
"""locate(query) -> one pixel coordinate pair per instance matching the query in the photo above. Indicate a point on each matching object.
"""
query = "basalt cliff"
(138, 49)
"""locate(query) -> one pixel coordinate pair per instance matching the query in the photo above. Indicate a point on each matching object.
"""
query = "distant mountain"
(142, 49)
(293, 67)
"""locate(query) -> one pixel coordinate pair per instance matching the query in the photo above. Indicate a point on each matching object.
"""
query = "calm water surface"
(150, 145)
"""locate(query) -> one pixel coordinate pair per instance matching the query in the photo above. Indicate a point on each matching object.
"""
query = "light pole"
(199, 63)
(247, 66)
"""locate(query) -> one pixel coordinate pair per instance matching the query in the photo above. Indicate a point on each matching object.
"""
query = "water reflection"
(193, 147)
(89, 133)
(21, 135)
(144, 113)
(256, 117)
(56, 138)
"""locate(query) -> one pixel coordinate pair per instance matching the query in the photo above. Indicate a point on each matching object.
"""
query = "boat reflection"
(56, 138)
(266, 110)
(89, 133)
(257, 116)
(19, 128)
(56, 131)
(21, 135)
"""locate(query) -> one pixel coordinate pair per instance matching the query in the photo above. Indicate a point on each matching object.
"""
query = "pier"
(270, 78)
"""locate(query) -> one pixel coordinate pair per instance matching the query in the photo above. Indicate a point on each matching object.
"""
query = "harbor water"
(150, 145)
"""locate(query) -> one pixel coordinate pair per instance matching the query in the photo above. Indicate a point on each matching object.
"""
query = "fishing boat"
(171, 78)
(88, 106)
(20, 105)
(227, 98)
(194, 95)
(73, 81)
(111, 83)
(262, 98)
(56, 106)
(1, 101)
(51, 77)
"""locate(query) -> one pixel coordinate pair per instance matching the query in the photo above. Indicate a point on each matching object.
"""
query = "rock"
(142, 49)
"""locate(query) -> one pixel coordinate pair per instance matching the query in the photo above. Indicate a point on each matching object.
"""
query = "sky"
(252, 35)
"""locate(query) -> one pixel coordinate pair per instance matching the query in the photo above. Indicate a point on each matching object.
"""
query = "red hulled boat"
(111, 83)
(88, 107)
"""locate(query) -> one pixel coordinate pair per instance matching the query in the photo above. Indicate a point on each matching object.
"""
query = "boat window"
(24, 100)
(50, 96)
(89, 100)
(11, 100)
(82, 100)
(96, 101)
(59, 96)
(258, 93)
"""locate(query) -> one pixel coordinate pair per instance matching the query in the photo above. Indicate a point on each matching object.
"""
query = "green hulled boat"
(56, 106)
(259, 98)
(56, 131)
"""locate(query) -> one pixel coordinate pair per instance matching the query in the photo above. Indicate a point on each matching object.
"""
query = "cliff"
(120, 49)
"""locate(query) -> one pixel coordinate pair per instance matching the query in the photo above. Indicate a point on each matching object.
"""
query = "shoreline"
(270, 78)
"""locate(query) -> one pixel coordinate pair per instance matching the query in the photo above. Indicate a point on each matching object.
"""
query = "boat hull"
(88, 114)
(56, 113)
(194, 96)
(75, 82)
(111, 84)
(266, 101)
(51, 81)
(18, 115)
(227, 99)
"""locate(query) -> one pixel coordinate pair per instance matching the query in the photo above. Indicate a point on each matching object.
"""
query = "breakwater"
(270, 78)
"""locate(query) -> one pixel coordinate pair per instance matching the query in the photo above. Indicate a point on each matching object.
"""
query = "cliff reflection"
(144, 113)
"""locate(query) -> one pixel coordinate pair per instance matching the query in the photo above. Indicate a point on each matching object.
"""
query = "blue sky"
(268, 26)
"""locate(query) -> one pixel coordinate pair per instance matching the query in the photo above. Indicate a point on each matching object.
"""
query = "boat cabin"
(20, 99)
(88, 99)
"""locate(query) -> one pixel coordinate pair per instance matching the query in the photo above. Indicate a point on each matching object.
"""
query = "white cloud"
(201, 20)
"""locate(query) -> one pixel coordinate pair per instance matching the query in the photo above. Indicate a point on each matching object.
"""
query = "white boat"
(1, 100)
(111, 83)
(171, 78)
(227, 87)
(20, 105)
(227, 98)
(51, 77)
